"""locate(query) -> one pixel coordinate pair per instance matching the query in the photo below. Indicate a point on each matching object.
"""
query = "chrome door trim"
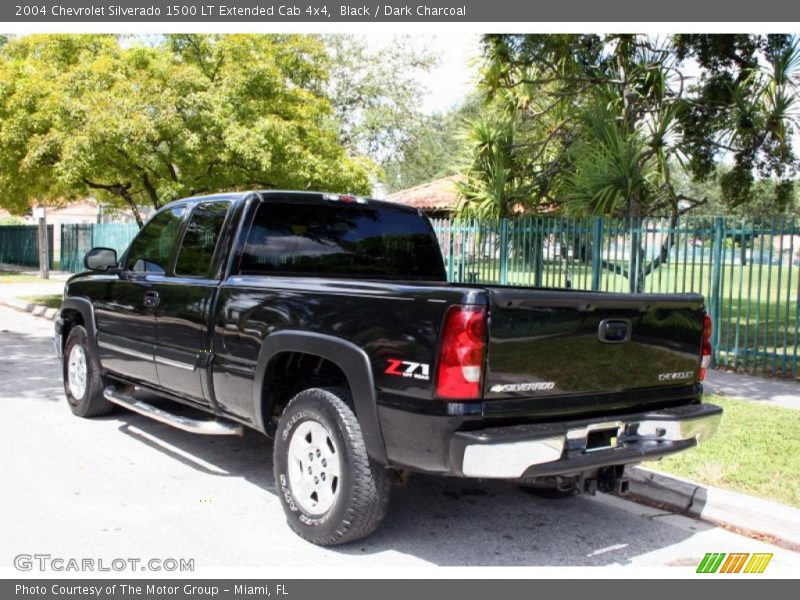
(168, 362)
(121, 350)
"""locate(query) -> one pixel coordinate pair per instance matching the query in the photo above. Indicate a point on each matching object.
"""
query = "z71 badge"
(407, 368)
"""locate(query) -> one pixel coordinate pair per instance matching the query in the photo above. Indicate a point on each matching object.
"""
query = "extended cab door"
(185, 301)
(126, 318)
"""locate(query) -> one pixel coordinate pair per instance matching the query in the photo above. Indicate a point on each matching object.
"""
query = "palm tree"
(493, 188)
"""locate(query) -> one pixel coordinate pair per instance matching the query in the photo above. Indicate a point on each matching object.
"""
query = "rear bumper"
(564, 448)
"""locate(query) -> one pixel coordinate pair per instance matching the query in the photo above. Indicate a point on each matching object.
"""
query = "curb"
(723, 507)
(37, 310)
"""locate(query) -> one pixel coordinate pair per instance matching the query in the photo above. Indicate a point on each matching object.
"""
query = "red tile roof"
(438, 195)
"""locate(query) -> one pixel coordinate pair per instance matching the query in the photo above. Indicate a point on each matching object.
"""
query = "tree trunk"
(636, 270)
(134, 209)
(121, 190)
(44, 262)
(151, 191)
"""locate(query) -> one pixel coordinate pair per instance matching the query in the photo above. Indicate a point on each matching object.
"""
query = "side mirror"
(100, 259)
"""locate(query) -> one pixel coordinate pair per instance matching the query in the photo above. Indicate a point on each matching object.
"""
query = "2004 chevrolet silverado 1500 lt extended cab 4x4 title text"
(327, 322)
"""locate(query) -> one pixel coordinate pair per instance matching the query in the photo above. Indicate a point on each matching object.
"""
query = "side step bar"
(202, 426)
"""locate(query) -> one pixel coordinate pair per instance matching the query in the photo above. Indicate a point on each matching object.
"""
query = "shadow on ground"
(445, 521)
(29, 367)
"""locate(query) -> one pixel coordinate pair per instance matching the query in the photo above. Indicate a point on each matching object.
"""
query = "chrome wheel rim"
(77, 372)
(314, 467)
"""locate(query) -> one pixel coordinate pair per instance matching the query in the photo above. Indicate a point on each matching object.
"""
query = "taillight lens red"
(459, 372)
(705, 353)
(706, 326)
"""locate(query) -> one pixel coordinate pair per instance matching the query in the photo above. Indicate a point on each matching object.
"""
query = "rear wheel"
(83, 383)
(331, 491)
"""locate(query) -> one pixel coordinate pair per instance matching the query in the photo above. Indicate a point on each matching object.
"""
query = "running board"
(202, 426)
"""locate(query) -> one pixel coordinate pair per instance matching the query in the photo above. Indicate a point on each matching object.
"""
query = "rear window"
(336, 239)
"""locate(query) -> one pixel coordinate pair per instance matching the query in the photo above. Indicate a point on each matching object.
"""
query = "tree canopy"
(141, 125)
(630, 125)
(376, 94)
(437, 147)
(601, 123)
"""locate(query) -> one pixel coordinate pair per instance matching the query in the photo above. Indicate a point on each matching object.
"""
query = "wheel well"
(71, 318)
(289, 373)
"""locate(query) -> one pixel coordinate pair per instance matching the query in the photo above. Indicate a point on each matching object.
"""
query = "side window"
(151, 249)
(200, 239)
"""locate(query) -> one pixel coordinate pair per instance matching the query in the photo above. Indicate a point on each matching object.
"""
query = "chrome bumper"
(561, 448)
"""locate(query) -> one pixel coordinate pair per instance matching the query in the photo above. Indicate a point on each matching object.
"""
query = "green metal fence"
(746, 269)
(78, 239)
(19, 245)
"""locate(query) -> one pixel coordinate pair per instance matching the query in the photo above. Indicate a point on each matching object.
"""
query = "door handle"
(151, 299)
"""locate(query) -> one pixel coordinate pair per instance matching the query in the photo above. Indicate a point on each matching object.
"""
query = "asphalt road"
(126, 486)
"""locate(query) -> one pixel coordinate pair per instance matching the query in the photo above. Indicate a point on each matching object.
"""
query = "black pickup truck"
(327, 323)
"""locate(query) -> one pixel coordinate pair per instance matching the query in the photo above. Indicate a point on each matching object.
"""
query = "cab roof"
(289, 195)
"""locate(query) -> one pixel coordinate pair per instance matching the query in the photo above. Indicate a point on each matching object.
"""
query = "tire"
(83, 383)
(345, 495)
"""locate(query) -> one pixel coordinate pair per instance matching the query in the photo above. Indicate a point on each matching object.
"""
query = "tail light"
(460, 367)
(705, 353)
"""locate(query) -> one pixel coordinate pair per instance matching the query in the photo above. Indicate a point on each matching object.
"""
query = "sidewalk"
(11, 294)
(37, 287)
(726, 507)
(779, 392)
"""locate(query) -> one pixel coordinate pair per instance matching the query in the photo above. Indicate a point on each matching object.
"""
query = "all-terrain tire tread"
(371, 483)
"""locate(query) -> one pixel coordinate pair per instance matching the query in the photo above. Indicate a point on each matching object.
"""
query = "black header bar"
(331, 11)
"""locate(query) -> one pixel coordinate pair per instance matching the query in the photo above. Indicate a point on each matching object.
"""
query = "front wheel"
(331, 491)
(83, 383)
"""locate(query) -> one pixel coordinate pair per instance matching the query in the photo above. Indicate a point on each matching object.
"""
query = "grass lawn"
(50, 300)
(756, 451)
(14, 277)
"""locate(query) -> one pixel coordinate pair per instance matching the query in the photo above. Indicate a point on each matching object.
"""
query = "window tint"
(341, 239)
(200, 239)
(150, 250)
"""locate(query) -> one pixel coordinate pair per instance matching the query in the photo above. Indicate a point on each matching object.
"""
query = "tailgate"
(545, 343)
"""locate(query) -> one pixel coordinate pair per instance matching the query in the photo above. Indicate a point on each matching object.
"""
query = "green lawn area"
(50, 300)
(14, 277)
(755, 452)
